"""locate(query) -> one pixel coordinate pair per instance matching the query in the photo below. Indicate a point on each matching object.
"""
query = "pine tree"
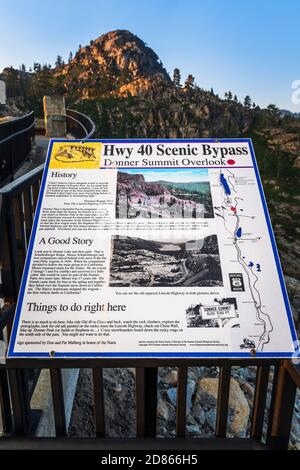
(36, 66)
(247, 101)
(12, 82)
(176, 77)
(273, 109)
(43, 82)
(235, 98)
(190, 81)
(59, 61)
(70, 57)
(229, 95)
(105, 128)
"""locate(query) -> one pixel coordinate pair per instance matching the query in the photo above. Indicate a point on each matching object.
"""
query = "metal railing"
(18, 376)
(16, 137)
(15, 144)
(17, 207)
(79, 125)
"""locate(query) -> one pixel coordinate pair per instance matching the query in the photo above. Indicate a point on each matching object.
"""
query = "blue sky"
(246, 46)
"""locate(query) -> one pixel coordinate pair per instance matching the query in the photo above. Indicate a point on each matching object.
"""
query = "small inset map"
(241, 229)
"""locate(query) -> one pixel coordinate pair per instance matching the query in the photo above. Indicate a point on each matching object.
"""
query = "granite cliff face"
(134, 96)
(136, 185)
(117, 62)
(163, 111)
(120, 82)
(285, 138)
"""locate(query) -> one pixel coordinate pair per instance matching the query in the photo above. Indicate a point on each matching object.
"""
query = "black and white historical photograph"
(163, 193)
(136, 262)
(222, 312)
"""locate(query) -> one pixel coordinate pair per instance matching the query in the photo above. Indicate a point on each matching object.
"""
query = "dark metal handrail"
(16, 140)
(12, 136)
(15, 144)
(12, 126)
(21, 183)
(85, 122)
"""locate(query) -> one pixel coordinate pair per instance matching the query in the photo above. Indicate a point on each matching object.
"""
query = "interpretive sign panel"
(152, 248)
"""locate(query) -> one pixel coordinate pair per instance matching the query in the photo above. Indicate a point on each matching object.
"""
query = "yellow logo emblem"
(83, 155)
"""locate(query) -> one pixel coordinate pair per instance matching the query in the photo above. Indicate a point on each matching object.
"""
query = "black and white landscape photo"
(136, 262)
(163, 193)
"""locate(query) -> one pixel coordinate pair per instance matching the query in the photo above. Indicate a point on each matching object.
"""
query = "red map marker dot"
(231, 162)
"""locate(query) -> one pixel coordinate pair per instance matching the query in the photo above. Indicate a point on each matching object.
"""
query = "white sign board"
(149, 248)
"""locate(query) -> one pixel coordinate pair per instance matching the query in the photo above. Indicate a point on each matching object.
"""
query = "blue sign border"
(12, 354)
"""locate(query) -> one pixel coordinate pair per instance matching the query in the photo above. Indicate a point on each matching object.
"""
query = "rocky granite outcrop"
(207, 394)
(8, 112)
(285, 138)
(202, 392)
(164, 111)
(117, 62)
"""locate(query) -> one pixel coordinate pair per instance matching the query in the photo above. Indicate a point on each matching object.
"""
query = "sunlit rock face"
(117, 62)
(128, 52)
